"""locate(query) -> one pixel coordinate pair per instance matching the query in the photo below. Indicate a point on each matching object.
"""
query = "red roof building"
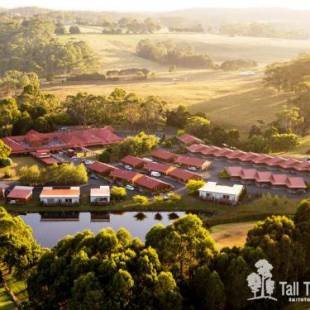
(266, 177)
(158, 167)
(196, 148)
(164, 155)
(189, 139)
(125, 176)
(20, 194)
(101, 168)
(152, 184)
(196, 162)
(183, 175)
(60, 140)
(133, 161)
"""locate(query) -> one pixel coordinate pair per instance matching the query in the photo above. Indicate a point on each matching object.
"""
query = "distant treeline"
(132, 73)
(236, 64)
(259, 30)
(195, 28)
(170, 53)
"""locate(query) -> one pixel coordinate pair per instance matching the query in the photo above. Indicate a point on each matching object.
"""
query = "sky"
(152, 5)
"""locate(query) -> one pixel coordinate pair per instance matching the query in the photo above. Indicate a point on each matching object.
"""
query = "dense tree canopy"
(170, 53)
(27, 44)
(104, 271)
(18, 249)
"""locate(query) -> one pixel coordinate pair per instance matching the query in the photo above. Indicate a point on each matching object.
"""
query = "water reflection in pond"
(49, 227)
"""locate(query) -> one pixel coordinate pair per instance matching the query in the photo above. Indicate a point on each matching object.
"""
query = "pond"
(50, 227)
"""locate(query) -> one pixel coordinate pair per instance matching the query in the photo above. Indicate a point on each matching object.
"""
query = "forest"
(177, 267)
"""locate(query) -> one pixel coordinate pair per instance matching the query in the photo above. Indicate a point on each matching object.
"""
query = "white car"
(155, 174)
(192, 168)
(127, 167)
(88, 162)
(129, 187)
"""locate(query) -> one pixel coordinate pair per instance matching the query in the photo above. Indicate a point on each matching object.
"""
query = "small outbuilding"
(20, 194)
(221, 193)
(100, 196)
(193, 162)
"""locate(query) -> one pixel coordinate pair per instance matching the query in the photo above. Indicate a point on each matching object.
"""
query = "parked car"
(94, 177)
(155, 174)
(192, 168)
(127, 167)
(129, 187)
(88, 162)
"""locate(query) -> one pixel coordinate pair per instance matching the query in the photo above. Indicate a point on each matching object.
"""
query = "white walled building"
(53, 196)
(100, 195)
(221, 193)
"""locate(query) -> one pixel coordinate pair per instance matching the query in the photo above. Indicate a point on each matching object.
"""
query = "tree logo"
(261, 283)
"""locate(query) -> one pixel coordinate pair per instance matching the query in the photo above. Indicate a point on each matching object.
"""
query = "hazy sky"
(153, 5)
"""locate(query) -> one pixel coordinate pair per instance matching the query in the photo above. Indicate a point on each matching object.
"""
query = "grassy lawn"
(229, 235)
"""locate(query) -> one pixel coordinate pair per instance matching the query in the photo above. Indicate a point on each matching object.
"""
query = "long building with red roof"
(254, 158)
(267, 178)
(35, 141)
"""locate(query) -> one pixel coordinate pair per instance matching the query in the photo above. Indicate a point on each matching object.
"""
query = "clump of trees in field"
(178, 266)
(132, 145)
(171, 53)
(65, 174)
(128, 25)
(27, 44)
(236, 64)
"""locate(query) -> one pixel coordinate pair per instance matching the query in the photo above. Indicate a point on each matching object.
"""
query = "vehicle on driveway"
(129, 187)
(155, 174)
(127, 167)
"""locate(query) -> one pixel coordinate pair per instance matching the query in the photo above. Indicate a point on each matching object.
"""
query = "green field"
(228, 98)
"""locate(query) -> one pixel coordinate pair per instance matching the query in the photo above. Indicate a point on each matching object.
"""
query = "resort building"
(35, 141)
(100, 196)
(101, 168)
(192, 162)
(189, 139)
(164, 155)
(183, 175)
(54, 196)
(20, 194)
(221, 193)
(132, 161)
(152, 185)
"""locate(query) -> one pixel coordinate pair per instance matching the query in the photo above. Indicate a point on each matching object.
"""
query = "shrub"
(194, 185)
(174, 197)
(118, 193)
(223, 174)
(6, 162)
(159, 199)
(141, 200)
(8, 173)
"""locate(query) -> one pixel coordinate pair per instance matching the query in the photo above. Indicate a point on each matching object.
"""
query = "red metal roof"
(125, 175)
(183, 175)
(20, 192)
(296, 183)
(234, 172)
(263, 177)
(278, 179)
(248, 174)
(189, 139)
(60, 140)
(164, 155)
(191, 161)
(196, 148)
(151, 183)
(101, 168)
(162, 168)
(133, 161)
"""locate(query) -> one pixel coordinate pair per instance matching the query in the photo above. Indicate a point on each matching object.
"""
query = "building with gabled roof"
(164, 155)
(133, 161)
(196, 162)
(125, 175)
(60, 140)
(152, 184)
(101, 168)
(158, 167)
(183, 175)
(60, 196)
(20, 194)
(188, 139)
